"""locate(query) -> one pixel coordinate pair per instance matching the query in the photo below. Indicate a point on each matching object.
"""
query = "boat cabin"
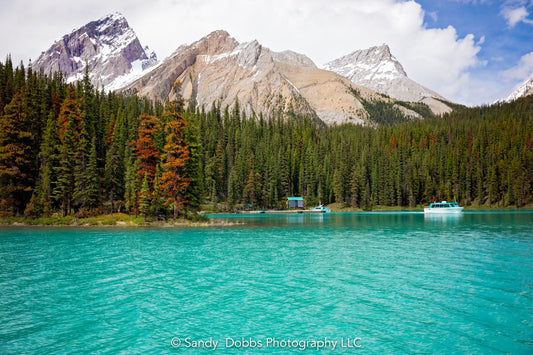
(443, 204)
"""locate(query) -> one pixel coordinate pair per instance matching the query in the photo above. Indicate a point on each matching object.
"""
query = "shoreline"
(335, 208)
(122, 220)
(123, 225)
(115, 220)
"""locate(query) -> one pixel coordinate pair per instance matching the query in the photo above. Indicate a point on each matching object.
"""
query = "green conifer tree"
(145, 198)
(16, 141)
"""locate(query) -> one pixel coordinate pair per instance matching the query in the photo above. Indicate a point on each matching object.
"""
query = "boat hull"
(320, 209)
(446, 210)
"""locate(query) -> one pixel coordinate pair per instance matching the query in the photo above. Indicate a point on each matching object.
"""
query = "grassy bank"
(197, 220)
(116, 219)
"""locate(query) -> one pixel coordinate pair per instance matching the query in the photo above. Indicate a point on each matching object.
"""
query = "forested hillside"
(68, 149)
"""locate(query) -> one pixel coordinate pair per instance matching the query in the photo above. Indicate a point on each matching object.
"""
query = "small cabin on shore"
(295, 202)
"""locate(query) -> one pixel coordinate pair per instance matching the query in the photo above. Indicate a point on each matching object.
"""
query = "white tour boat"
(321, 208)
(444, 207)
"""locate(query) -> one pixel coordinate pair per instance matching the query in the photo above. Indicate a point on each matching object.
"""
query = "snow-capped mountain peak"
(376, 68)
(108, 45)
(524, 89)
(368, 65)
(218, 70)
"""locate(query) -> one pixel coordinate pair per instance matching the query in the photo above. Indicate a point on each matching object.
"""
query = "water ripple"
(403, 283)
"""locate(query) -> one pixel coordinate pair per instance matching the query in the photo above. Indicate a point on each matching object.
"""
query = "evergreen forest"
(70, 149)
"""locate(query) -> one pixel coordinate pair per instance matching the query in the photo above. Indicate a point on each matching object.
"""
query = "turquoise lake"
(369, 283)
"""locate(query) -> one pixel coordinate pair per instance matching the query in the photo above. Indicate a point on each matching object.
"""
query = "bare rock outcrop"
(377, 69)
(219, 70)
(108, 46)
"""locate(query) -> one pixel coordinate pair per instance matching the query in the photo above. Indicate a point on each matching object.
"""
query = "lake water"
(337, 283)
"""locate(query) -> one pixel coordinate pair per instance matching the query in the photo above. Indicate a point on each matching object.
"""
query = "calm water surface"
(371, 282)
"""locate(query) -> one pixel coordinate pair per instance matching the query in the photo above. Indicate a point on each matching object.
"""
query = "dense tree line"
(70, 148)
(481, 156)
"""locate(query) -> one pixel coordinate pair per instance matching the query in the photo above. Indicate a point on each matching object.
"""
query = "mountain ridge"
(524, 89)
(219, 69)
(377, 69)
(109, 47)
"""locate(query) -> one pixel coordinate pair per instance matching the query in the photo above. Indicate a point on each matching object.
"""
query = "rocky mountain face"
(109, 47)
(219, 70)
(376, 68)
(525, 89)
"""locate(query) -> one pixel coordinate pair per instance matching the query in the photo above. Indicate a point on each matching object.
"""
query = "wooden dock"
(283, 212)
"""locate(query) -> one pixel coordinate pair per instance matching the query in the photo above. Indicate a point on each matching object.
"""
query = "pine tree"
(338, 186)
(114, 168)
(174, 180)
(41, 200)
(193, 166)
(64, 189)
(132, 183)
(145, 197)
(92, 193)
(16, 142)
(148, 157)
(80, 169)
(68, 132)
(158, 195)
(355, 189)
(248, 194)
(145, 148)
(49, 161)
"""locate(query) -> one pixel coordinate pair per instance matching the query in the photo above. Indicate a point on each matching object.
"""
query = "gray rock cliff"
(109, 47)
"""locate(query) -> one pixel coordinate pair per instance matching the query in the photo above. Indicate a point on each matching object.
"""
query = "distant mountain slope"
(108, 45)
(377, 69)
(219, 69)
(524, 89)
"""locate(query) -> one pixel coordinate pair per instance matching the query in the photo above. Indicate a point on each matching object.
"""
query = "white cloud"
(516, 15)
(522, 71)
(31, 26)
(434, 16)
(474, 2)
(437, 58)
(323, 30)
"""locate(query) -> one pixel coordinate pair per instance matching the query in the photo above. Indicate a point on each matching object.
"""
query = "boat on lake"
(444, 207)
(321, 208)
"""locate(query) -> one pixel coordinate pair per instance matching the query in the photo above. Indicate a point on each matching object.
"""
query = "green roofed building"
(295, 202)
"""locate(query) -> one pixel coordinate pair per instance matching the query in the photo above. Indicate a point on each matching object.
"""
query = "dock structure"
(295, 205)
(284, 212)
(295, 202)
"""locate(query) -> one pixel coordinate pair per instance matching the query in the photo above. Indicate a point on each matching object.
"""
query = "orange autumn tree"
(145, 148)
(174, 181)
(148, 156)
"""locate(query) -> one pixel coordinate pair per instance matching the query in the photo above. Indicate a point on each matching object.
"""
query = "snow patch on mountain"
(108, 46)
(377, 69)
(524, 89)
(218, 70)
(138, 70)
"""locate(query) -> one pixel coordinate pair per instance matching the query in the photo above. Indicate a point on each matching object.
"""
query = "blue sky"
(472, 52)
(507, 29)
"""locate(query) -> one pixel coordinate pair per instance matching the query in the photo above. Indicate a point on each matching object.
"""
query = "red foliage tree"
(145, 148)
(173, 180)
